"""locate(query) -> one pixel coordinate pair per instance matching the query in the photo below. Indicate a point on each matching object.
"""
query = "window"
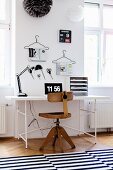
(91, 56)
(4, 42)
(108, 16)
(91, 15)
(98, 43)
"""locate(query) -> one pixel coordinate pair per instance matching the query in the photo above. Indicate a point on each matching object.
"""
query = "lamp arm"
(27, 68)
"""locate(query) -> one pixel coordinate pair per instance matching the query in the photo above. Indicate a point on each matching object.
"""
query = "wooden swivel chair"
(58, 132)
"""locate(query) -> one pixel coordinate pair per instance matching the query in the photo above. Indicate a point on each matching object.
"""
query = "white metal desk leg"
(95, 114)
(79, 118)
(26, 123)
(17, 120)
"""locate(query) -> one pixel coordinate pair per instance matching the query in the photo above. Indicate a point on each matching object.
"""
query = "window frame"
(102, 33)
(5, 25)
(94, 32)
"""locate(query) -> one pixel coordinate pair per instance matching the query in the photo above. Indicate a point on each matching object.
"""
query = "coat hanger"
(56, 61)
(36, 42)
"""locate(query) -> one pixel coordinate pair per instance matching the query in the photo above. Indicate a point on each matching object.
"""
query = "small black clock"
(37, 8)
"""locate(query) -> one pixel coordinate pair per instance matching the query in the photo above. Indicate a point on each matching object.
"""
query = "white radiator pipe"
(2, 119)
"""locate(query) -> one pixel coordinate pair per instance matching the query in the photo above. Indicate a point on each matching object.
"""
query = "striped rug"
(88, 160)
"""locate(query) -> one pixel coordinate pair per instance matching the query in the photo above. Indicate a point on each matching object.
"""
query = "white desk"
(44, 98)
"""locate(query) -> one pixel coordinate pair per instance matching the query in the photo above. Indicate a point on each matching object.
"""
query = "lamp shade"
(75, 14)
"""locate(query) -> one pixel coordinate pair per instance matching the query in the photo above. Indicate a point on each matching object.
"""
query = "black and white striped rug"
(96, 159)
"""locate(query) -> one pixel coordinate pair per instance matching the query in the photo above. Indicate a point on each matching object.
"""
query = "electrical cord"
(34, 118)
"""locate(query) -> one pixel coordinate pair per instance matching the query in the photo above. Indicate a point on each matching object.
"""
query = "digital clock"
(53, 87)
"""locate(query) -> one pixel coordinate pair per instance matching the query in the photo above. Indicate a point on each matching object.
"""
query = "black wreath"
(37, 8)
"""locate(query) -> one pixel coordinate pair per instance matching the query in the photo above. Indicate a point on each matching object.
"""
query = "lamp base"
(22, 95)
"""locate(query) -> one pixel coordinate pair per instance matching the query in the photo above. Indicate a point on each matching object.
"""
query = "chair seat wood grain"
(54, 115)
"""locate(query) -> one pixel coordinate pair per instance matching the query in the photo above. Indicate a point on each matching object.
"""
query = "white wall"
(47, 28)
(25, 28)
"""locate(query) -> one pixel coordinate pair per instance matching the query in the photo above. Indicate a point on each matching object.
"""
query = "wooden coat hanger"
(56, 61)
(30, 46)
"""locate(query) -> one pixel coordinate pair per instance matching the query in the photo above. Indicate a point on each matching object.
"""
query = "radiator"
(104, 115)
(2, 119)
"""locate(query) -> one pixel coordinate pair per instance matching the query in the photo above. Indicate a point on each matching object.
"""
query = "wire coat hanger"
(36, 42)
(56, 61)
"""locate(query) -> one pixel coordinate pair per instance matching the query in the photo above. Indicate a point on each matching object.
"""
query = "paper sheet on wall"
(37, 54)
(64, 68)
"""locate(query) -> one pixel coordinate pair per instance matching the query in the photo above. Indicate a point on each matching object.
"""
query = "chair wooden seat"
(57, 132)
(55, 115)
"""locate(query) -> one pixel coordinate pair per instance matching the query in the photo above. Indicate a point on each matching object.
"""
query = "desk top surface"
(89, 97)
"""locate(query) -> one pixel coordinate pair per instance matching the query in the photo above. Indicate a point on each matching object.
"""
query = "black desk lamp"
(21, 94)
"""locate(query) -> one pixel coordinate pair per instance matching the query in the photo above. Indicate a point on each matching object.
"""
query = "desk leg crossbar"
(95, 123)
(24, 135)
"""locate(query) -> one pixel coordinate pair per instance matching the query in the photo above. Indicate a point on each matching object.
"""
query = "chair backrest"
(61, 97)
